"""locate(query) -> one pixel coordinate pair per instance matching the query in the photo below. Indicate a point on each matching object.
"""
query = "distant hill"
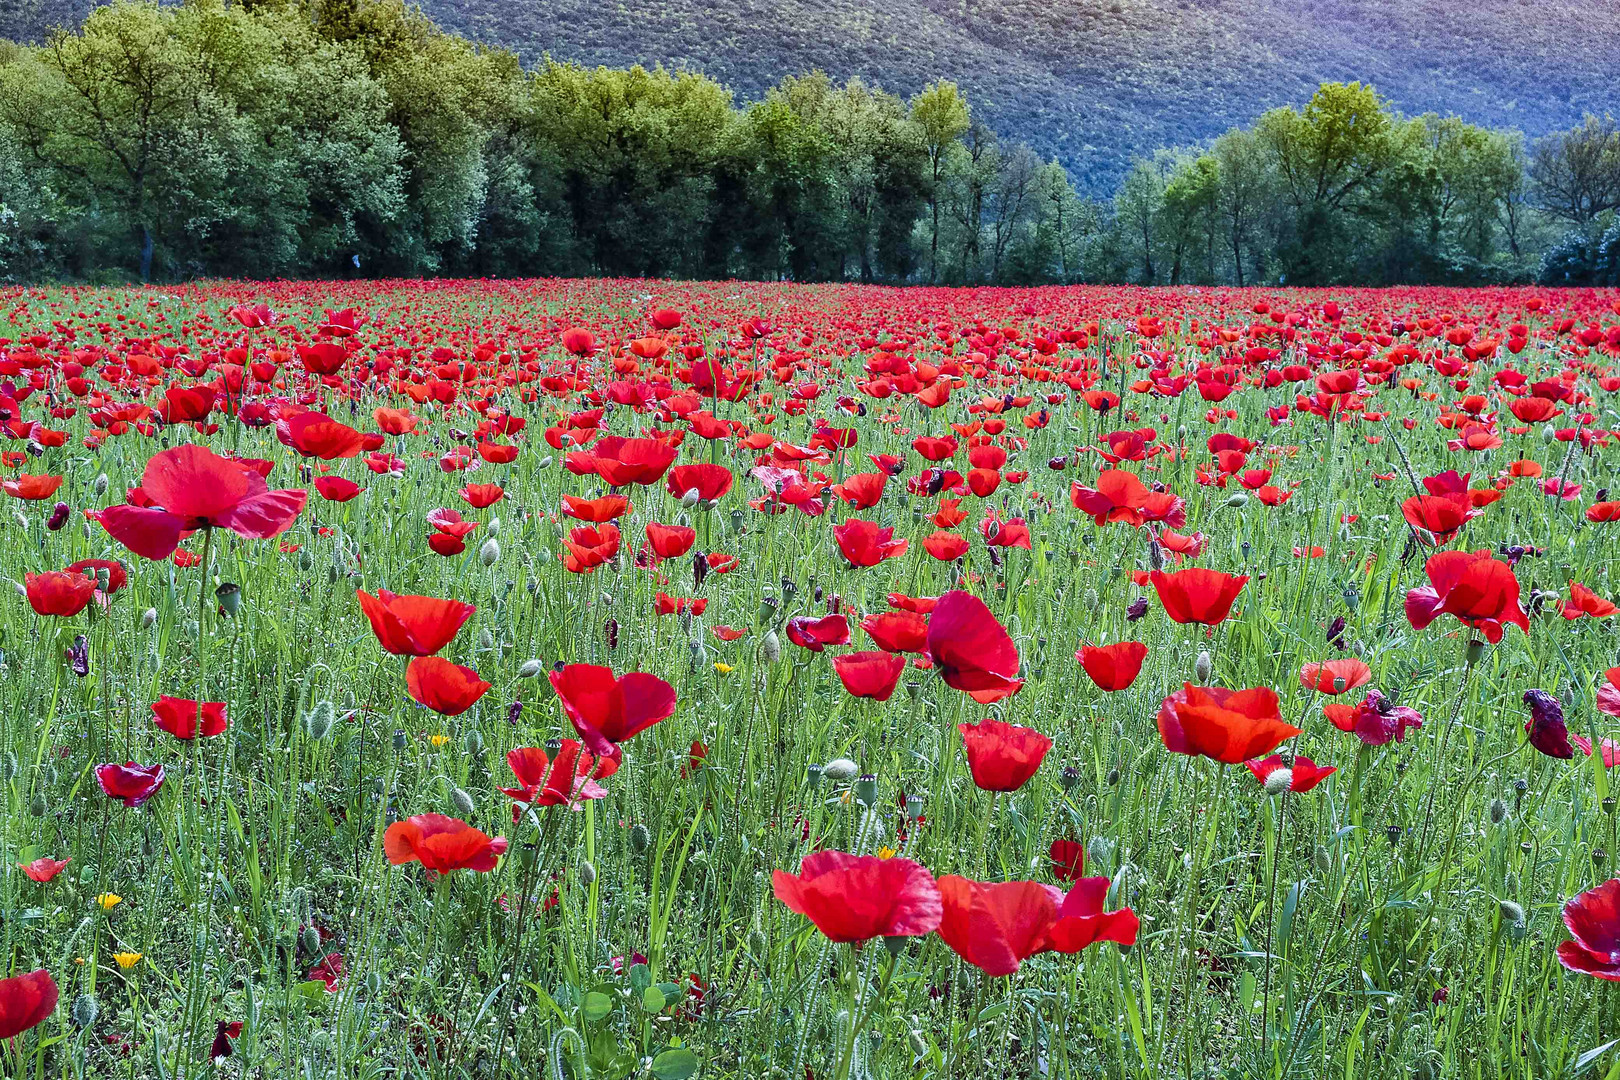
(1090, 82)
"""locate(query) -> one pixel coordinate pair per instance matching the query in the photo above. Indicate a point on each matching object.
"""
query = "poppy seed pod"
(490, 553)
(400, 741)
(1069, 777)
(229, 596)
(640, 839)
(812, 775)
(866, 789)
(1476, 651)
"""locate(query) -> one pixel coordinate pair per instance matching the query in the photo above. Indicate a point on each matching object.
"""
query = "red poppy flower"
(1442, 515)
(870, 674)
(449, 522)
(588, 547)
(195, 489)
(26, 1001)
(1375, 721)
(945, 546)
(568, 780)
(1230, 726)
(1118, 496)
(1608, 692)
(59, 593)
(862, 490)
(1068, 859)
(1302, 775)
(973, 652)
(482, 496)
(328, 971)
(1113, 667)
(1583, 602)
(1474, 587)
(865, 543)
(43, 870)
(1001, 756)
(413, 625)
(1197, 595)
(446, 688)
(180, 717)
(447, 544)
(32, 488)
(817, 634)
(336, 488)
(860, 897)
(897, 631)
(996, 926)
(441, 844)
(595, 511)
(224, 1032)
(1081, 920)
(710, 481)
(317, 435)
(1335, 676)
(117, 576)
(621, 461)
(670, 541)
(132, 783)
(606, 710)
(1593, 919)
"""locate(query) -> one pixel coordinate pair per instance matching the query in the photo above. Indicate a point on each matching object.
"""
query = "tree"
(1575, 174)
(942, 114)
(1246, 190)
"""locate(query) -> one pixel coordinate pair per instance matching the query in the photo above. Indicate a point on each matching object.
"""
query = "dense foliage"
(490, 680)
(354, 137)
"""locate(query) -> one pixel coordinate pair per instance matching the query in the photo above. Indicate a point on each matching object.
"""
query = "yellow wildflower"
(109, 900)
(127, 960)
(438, 740)
(724, 669)
(886, 852)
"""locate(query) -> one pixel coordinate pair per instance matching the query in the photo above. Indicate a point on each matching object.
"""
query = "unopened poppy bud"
(1549, 434)
(490, 553)
(918, 1044)
(101, 484)
(474, 742)
(463, 802)
(59, 516)
(320, 720)
(21, 519)
(1512, 914)
(1069, 777)
(690, 499)
(841, 769)
(1238, 498)
(640, 838)
(1155, 555)
(1279, 781)
(757, 943)
(866, 789)
(587, 873)
(310, 939)
(1476, 651)
(494, 527)
(545, 462)
(1204, 666)
(37, 805)
(399, 740)
(306, 559)
(771, 646)
(229, 596)
(486, 639)
(1498, 811)
(530, 669)
(85, 1011)
(1112, 777)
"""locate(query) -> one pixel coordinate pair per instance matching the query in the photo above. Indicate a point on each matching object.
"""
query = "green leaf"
(596, 1006)
(677, 1064)
(640, 977)
(652, 999)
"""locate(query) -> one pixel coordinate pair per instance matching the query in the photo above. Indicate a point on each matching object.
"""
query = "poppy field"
(623, 678)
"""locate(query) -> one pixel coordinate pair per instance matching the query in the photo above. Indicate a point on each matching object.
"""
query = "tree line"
(353, 137)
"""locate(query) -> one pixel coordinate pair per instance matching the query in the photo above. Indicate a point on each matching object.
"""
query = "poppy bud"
(1155, 555)
(587, 873)
(306, 559)
(310, 940)
(757, 943)
(545, 462)
(530, 669)
(490, 553)
(320, 719)
(101, 484)
(610, 633)
(1498, 811)
(1549, 434)
(771, 646)
(690, 498)
(494, 527)
(1238, 498)
(1203, 667)
(1099, 851)
(1512, 914)
(462, 801)
(474, 742)
(866, 790)
(37, 805)
(1112, 778)
(85, 1011)
(486, 639)
(399, 740)
(59, 516)
(839, 770)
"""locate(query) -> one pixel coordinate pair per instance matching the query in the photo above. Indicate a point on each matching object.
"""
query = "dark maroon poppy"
(817, 634)
(132, 783)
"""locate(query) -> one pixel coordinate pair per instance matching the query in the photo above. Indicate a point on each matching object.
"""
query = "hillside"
(1088, 81)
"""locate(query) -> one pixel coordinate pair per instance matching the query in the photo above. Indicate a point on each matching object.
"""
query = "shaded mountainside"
(1090, 82)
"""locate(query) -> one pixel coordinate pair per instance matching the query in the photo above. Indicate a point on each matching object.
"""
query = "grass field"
(759, 554)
